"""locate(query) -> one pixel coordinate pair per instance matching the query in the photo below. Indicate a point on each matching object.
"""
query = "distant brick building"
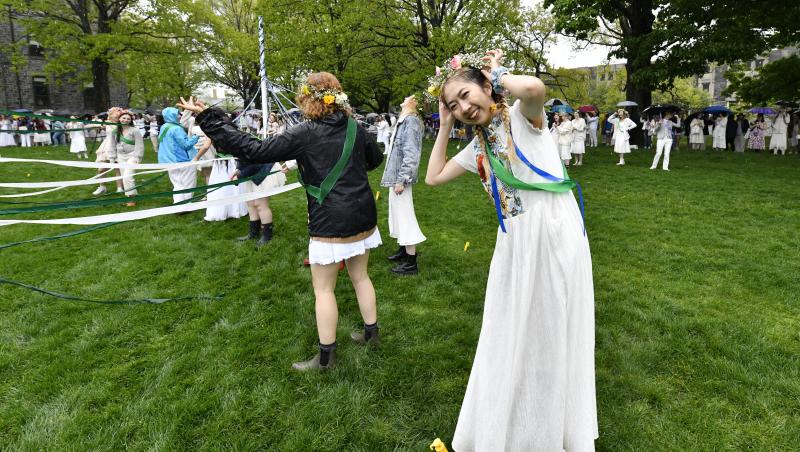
(32, 88)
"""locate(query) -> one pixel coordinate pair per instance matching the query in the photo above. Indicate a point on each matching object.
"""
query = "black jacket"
(349, 208)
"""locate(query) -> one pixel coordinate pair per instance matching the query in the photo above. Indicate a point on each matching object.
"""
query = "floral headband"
(328, 96)
(450, 67)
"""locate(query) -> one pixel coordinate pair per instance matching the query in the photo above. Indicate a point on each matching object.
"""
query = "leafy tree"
(778, 80)
(684, 93)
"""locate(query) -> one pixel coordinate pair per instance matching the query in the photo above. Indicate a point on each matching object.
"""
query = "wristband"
(497, 74)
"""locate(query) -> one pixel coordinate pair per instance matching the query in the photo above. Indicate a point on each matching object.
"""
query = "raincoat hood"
(170, 114)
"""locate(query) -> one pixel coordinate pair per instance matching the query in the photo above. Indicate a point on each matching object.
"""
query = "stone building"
(713, 81)
(31, 87)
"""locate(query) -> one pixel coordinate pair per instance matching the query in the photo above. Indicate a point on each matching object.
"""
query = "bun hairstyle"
(320, 95)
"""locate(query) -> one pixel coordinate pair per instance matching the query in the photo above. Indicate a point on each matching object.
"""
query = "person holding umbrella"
(756, 133)
(579, 138)
(663, 130)
(730, 133)
(591, 126)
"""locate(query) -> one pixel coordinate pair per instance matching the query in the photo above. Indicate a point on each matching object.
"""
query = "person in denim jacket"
(400, 174)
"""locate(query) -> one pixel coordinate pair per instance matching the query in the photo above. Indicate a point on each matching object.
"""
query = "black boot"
(255, 227)
(400, 254)
(370, 335)
(407, 266)
(266, 234)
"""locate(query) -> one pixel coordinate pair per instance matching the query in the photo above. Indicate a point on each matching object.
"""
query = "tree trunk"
(643, 97)
(102, 91)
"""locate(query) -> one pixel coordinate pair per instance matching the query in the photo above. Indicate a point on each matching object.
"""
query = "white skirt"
(578, 147)
(222, 172)
(42, 138)
(7, 138)
(77, 142)
(272, 181)
(324, 253)
(565, 150)
(621, 145)
(532, 384)
(403, 224)
(777, 141)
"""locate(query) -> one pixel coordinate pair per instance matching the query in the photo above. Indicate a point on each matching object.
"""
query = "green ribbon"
(104, 195)
(164, 130)
(54, 118)
(509, 179)
(89, 300)
(127, 140)
(321, 192)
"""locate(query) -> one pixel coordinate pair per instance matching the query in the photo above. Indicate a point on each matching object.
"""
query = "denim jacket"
(405, 148)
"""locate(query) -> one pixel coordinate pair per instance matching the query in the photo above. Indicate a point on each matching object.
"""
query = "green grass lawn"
(698, 321)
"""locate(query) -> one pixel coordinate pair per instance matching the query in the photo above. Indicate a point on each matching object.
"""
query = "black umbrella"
(787, 103)
(661, 109)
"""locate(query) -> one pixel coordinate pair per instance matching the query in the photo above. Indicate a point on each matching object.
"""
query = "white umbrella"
(627, 103)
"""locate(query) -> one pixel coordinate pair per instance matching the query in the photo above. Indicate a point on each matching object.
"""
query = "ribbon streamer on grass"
(159, 211)
(89, 300)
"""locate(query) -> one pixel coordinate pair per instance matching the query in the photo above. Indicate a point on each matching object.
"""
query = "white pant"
(128, 181)
(182, 178)
(25, 140)
(664, 146)
(592, 137)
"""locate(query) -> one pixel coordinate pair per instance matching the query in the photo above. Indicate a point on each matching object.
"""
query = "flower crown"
(450, 67)
(328, 96)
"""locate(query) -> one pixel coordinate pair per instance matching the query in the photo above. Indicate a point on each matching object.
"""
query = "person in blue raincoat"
(174, 146)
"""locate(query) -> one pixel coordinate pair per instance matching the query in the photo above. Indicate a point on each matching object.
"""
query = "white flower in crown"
(341, 99)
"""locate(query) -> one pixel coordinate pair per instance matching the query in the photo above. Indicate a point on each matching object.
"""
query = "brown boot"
(359, 337)
(313, 363)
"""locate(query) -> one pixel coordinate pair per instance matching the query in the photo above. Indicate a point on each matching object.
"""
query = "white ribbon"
(35, 193)
(158, 211)
(103, 165)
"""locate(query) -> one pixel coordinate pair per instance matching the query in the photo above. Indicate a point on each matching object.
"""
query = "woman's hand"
(492, 60)
(193, 105)
(235, 175)
(446, 118)
(398, 189)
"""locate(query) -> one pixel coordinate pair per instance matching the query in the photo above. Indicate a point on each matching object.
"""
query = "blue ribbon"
(538, 171)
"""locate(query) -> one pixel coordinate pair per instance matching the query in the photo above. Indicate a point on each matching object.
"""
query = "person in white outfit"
(780, 125)
(384, 133)
(720, 126)
(697, 139)
(579, 138)
(129, 150)
(153, 123)
(107, 150)
(565, 139)
(622, 124)
(663, 129)
(77, 139)
(25, 124)
(591, 128)
(400, 175)
(6, 137)
(532, 384)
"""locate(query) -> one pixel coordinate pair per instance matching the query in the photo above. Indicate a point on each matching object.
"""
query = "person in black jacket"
(333, 156)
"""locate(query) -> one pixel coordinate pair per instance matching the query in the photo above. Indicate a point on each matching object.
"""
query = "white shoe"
(120, 190)
(620, 163)
(100, 190)
(652, 167)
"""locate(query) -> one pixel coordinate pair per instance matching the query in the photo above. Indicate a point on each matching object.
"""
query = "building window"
(41, 92)
(706, 86)
(35, 49)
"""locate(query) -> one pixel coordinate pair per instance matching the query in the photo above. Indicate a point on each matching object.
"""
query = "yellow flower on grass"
(377, 195)
(466, 247)
(328, 99)
(438, 446)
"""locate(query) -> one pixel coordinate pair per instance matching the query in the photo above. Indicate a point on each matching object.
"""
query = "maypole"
(263, 71)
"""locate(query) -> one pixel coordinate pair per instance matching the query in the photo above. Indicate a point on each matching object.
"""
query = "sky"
(563, 54)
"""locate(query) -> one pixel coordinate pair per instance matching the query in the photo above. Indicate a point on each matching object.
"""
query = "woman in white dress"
(622, 124)
(565, 139)
(579, 138)
(697, 140)
(6, 138)
(532, 382)
(554, 128)
(720, 125)
(221, 171)
(42, 138)
(384, 133)
(77, 139)
(780, 125)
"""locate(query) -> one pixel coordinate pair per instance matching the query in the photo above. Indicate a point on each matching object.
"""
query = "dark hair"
(475, 76)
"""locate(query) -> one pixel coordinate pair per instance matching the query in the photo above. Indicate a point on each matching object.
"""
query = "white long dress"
(77, 140)
(621, 134)
(719, 133)
(780, 126)
(6, 138)
(565, 139)
(532, 385)
(579, 136)
(696, 131)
